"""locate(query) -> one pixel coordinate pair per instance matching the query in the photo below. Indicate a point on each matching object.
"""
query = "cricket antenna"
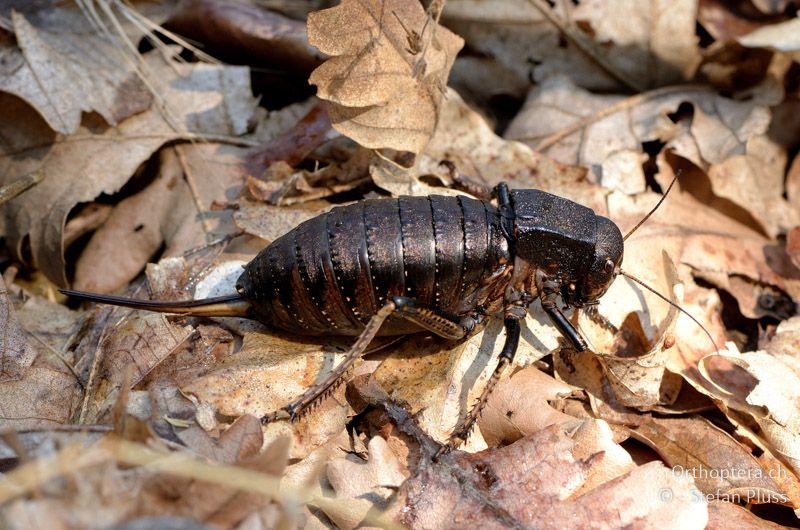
(646, 217)
(670, 302)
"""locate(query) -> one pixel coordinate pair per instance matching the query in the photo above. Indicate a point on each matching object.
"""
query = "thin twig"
(621, 105)
(193, 137)
(586, 46)
(60, 357)
(70, 427)
(20, 185)
(198, 206)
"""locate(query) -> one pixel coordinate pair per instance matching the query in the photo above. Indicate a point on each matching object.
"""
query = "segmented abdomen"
(331, 273)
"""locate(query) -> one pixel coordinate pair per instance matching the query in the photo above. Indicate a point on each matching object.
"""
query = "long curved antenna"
(673, 304)
(646, 217)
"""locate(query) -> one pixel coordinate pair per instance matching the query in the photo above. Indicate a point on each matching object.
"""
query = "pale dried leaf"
(768, 391)
(136, 346)
(16, 353)
(728, 139)
(65, 66)
(520, 406)
(100, 159)
(385, 88)
(719, 465)
(368, 485)
(42, 398)
(441, 381)
(270, 222)
(652, 42)
(270, 371)
(783, 37)
(241, 441)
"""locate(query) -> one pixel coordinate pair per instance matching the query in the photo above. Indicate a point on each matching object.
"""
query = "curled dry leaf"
(389, 67)
(765, 388)
(526, 404)
(723, 23)
(174, 212)
(634, 362)
(707, 244)
(64, 65)
(119, 250)
(100, 159)
(464, 138)
(538, 482)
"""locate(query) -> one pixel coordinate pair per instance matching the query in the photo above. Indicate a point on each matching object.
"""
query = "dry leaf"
(138, 344)
(134, 231)
(369, 484)
(64, 65)
(727, 139)
(719, 465)
(441, 381)
(648, 43)
(241, 441)
(536, 482)
(783, 37)
(42, 398)
(100, 159)
(220, 505)
(521, 405)
(270, 222)
(295, 144)
(16, 354)
(270, 371)
(729, 516)
(764, 388)
(386, 78)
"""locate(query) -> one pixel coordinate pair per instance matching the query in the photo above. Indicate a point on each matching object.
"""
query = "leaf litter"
(165, 155)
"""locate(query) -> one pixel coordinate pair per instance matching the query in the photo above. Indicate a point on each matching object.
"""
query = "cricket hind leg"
(399, 306)
(462, 432)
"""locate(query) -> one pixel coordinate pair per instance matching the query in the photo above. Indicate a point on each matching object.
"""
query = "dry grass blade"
(30, 476)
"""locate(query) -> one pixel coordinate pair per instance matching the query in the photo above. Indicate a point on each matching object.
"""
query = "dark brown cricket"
(437, 263)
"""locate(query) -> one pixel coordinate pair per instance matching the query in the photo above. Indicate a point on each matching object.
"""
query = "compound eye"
(608, 266)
